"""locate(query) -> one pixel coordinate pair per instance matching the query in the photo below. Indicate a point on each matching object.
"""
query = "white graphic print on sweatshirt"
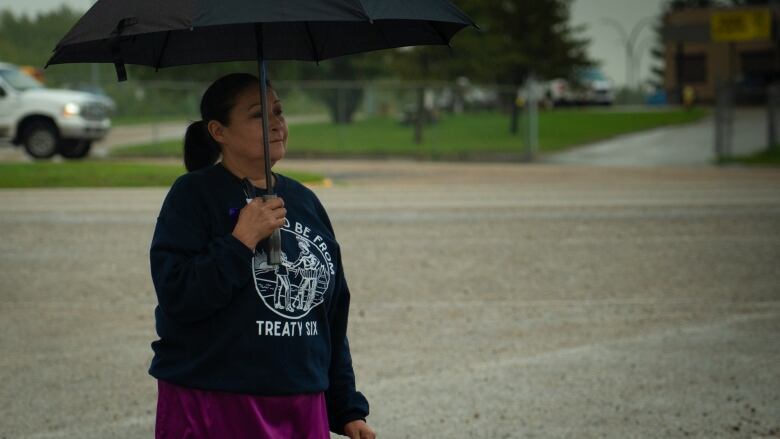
(296, 286)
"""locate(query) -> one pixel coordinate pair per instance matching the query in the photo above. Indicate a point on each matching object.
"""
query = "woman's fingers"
(274, 203)
(272, 207)
(259, 218)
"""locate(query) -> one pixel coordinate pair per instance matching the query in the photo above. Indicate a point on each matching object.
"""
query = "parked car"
(48, 121)
(590, 87)
(463, 95)
(96, 91)
(596, 87)
(559, 93)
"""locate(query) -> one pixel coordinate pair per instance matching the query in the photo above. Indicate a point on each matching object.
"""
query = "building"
(706, 48)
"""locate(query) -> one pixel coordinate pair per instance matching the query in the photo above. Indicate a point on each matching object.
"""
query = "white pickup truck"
(48, 121)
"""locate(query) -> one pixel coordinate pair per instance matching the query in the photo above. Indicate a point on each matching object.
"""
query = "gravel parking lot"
(490, 301)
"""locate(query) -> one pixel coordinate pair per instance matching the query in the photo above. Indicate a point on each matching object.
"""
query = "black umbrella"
(181, 32)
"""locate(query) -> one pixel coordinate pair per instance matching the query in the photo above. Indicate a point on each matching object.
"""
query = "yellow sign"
(741, 25)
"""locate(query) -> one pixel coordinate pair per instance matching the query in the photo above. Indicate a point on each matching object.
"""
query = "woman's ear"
(216, 130)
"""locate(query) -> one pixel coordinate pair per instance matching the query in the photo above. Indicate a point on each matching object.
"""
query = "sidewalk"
(686, 145)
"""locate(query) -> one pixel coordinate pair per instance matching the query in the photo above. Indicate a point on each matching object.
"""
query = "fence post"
(341, 111)
(724, 118)
(773, 99)
(156, 115)
(369, 99)
(532, 115)
(340, 103)
(420, 112)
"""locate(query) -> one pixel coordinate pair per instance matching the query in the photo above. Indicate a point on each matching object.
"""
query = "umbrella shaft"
(264, 105)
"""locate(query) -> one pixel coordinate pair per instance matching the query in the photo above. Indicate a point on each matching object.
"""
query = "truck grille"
(94, 111)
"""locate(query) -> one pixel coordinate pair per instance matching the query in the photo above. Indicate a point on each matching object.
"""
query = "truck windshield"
(19, 80)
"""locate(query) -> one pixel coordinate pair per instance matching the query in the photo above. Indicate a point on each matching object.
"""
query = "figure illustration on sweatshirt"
(293, 288)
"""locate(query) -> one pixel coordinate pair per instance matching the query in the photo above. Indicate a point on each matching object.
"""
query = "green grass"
(97, 173)
(562, 129)
(769, 157)
(455, 136)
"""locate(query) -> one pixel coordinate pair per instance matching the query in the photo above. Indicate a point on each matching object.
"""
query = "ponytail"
(200, 149)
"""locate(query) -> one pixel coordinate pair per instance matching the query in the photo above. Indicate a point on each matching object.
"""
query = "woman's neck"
(255, 173)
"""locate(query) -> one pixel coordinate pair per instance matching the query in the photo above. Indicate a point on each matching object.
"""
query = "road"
(686, 145)
(490, 300)
(137, 134)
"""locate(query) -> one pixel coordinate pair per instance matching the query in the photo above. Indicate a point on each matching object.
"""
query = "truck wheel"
(40, 139)
(74, 148)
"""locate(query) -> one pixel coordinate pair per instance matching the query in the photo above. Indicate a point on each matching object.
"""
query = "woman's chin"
(274, 159)
(278, 154)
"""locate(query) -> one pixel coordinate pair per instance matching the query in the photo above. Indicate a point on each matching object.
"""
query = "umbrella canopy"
(180, 32)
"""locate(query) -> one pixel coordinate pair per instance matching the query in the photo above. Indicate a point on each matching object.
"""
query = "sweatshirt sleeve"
(193, 275)
(345, 404)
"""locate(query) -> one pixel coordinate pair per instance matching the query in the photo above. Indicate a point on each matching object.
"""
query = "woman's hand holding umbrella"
(258, 220)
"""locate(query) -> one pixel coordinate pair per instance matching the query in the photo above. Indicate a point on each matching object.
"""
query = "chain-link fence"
(421, 118)
(136, 99)
(744, 130)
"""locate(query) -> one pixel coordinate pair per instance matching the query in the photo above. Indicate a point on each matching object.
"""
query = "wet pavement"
(685, 145)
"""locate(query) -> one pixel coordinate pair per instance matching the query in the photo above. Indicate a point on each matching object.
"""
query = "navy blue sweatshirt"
(228, 321)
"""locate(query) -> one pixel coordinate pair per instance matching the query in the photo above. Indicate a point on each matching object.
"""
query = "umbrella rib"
(438, 32)
(162, 51)
(311, 42)
(363, 8)
(371, 22)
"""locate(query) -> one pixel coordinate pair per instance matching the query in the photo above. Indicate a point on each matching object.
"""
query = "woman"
(247, 349)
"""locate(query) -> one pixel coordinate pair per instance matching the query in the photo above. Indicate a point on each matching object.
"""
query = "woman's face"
(243, 138)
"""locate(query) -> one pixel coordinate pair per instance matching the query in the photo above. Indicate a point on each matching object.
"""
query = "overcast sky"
(605, 40)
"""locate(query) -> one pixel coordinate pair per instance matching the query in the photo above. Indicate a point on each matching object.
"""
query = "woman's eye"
(260, 114)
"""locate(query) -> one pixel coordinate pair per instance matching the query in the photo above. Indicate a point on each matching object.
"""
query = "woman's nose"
(275, 122)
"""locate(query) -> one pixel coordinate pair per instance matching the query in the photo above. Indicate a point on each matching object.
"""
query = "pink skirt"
(188, 413)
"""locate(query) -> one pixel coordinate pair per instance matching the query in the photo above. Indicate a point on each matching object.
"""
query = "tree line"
(517, 38)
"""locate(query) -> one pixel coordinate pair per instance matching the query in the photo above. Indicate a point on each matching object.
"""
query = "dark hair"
(200, 149)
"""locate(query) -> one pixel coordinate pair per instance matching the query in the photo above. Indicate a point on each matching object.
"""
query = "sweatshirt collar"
(278, 185)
